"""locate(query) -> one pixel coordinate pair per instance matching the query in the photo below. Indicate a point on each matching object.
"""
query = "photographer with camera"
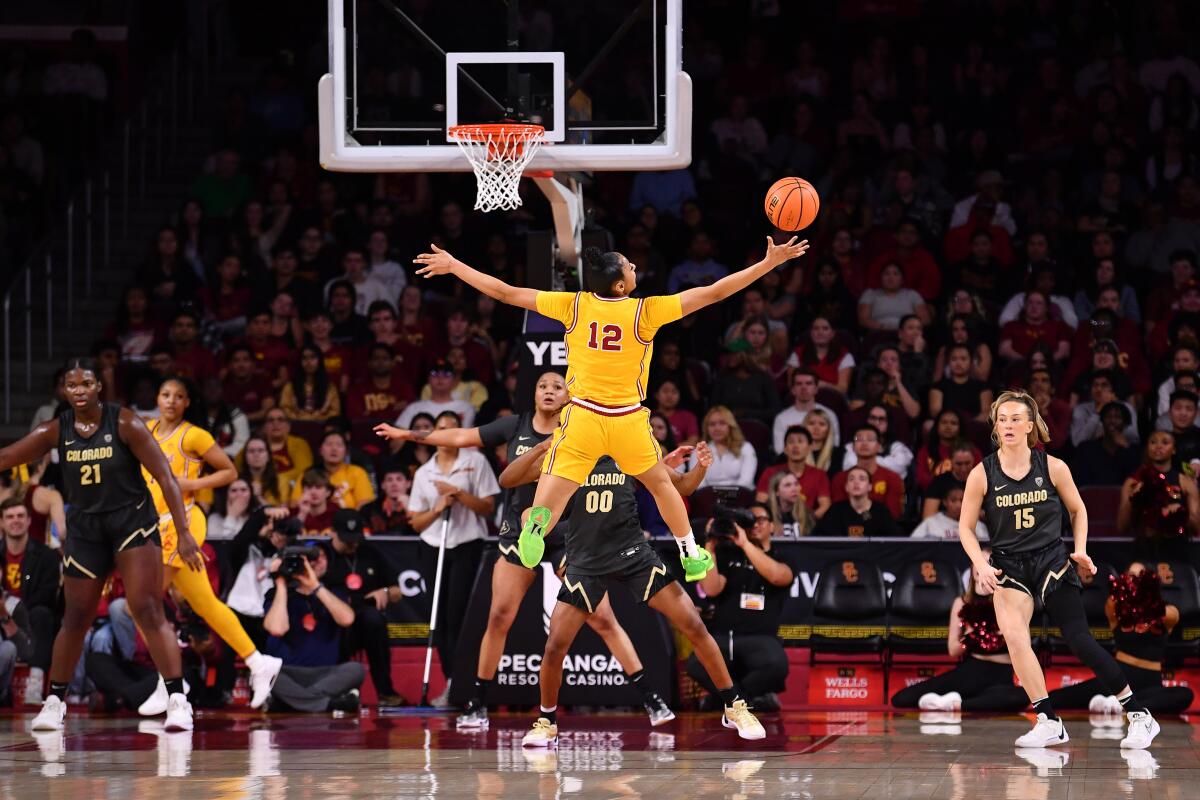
(305, 622)
(372, 584)
(747, 590)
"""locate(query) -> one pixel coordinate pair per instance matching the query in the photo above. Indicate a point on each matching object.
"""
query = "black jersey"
(519, 434)
(99, 473)
(604, 527)
(1021, 515)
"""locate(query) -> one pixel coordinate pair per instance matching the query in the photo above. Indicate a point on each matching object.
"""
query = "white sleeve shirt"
(471, 473)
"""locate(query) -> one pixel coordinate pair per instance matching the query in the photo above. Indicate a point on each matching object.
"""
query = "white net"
(498, 155)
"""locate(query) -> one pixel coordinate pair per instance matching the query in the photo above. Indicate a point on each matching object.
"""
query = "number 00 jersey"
(1022, 516)
(100, 473)
(609, 342)
(604, 524)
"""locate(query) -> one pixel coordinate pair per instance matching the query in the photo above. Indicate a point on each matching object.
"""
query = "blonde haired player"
(1021, 492)
(610, 341)
(189, 449)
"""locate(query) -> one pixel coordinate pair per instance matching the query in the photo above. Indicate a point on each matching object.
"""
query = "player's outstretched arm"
(440, 262)
(701, 296)
(446, 437)
(525, 468)
(34, 445)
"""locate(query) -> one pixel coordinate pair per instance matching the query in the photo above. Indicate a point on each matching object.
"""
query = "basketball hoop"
(498, 154)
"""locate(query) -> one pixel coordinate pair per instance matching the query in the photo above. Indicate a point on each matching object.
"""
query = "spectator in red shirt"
(921, 272)
(230, 299)
(683, 422)
(389, 513)
(1035, 326)
(417, 327)
(191, 359)
(814, 483)
(383, 394)
(409, 361)
(245, 387)
(340, 360)
(826, 357)
(317, 506)
(135, 330)
(1056, 412)
(271, 355)
(886, 486)
(462, 333)
(934, 457)
(843, 253)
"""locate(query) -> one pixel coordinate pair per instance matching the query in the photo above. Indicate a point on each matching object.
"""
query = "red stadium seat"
(758, 435)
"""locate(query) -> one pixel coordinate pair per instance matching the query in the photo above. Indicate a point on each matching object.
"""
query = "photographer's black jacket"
(734, 607)
(371, 566)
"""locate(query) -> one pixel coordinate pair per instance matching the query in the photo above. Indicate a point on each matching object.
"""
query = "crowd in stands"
(1018, 209)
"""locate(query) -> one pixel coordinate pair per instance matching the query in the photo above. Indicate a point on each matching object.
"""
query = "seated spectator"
(408, 360)
(1056, 412)
(245, 387)
(989, 186)
(410, 456)
(958, 390)
(1085, 418)
(32, 573)
(684, 427)
(882, 309)
(915, 364)
(1105, 358)
(820, 424)
(271, 356)
(821, 353)
(1181, 419)
(47, 513)
(699, 269)
(305, 624)
(747, 586)
(340, 360)
(944, 523)
(755, 309)
(1105, 277)
(1034, 326)
(367, 290)
(16, 644)
(229, 300)
(463, 387)
(855, 514)
(370, 583)
(310, 395)
(1182, 265)
(980, 271)
(743, 386)
(1184, 359)
(896, 394)
(441, 399)
(314, 504)
(388, 514)
(350, 484)
(136, 329)
(382, 267)
(259, 469)
(226, 422)
(192, 359)
(788, 505)
(382, 396)
(894, 454)
(285, 320)
(804, 401)
(920, 270)
(349, 326)
(668, 365)
(830, 298)
(963, 458)
(813, 482)
(934, 456)
(1160, 504)
(1043, 280)
(739, 134)
(1109, 460)
(884, 486)
(463, 332)
(418, 327)
(231, 509)
(1184, 382)
(168, 279)
(286, 276)
(734, 459)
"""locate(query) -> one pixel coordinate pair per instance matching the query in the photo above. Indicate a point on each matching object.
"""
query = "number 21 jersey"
(1022, 516)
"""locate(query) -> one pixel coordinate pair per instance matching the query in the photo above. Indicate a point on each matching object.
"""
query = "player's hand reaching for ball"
(439, 262)
(1084, 563)
(779, 253)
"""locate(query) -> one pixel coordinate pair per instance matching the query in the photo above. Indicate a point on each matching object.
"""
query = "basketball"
(792, 204)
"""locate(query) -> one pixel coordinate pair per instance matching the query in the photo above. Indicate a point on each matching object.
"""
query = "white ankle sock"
(687, 545)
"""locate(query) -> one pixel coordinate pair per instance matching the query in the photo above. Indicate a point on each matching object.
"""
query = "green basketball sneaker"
(532, 543)
(695, 569)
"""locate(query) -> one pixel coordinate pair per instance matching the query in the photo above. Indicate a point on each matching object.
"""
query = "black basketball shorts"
(1036, 573)
(93, 540)
(642, 572)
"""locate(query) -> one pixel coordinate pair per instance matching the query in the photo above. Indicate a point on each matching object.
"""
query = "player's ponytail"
(601, 270)
(1040, 431)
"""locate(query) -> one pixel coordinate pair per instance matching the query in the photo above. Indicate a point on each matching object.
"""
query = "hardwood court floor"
(805, 755)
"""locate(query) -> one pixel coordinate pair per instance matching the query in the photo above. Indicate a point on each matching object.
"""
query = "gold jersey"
(184, 448)
(610, 342)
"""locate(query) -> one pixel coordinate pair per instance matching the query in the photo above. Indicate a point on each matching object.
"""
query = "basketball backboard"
(604, 77)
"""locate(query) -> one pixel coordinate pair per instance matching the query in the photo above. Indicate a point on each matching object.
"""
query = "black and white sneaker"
(658, 710)
(474, 717)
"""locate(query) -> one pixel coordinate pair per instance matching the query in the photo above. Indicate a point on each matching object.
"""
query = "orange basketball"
(792, 204)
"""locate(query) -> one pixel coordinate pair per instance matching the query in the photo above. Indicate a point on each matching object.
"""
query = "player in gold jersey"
(610, 341)
(188, 450)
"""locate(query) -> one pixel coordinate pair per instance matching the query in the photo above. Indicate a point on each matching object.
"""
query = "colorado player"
(1029, 561)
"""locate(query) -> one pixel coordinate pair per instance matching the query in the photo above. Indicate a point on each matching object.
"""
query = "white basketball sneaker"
(156, 703)
(739, 716)
(1046, 733)
(262, 680)
(50, 718)
(543, 734)
(179, 714)
(1142, 730)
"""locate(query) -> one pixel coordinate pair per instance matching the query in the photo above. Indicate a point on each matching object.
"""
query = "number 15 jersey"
(1022, 516)
(609, 342)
